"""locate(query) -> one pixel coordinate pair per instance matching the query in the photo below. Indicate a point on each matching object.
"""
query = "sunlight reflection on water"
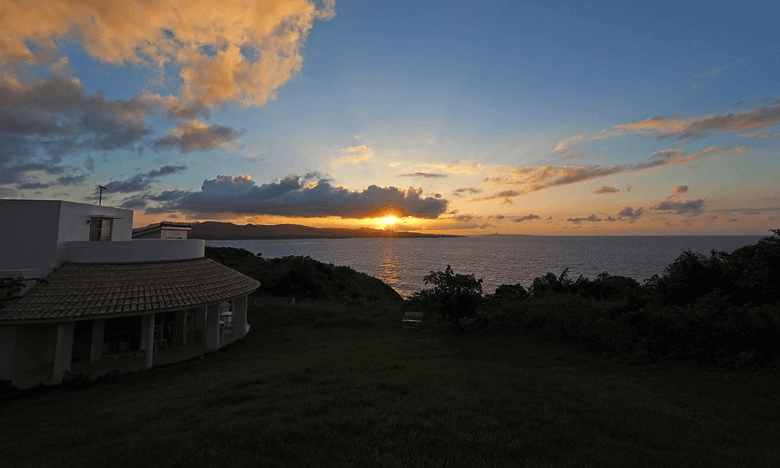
(402, 263)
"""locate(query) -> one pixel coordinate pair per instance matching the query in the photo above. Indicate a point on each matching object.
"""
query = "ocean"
(501, 259)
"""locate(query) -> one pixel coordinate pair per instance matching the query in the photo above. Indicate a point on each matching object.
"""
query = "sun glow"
(389, 220)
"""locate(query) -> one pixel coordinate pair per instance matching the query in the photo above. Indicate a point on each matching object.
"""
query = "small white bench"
(412, 319)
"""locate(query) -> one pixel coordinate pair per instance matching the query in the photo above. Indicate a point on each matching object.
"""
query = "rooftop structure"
(105, 295)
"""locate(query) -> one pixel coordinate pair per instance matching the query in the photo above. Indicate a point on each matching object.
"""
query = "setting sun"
(389, 220)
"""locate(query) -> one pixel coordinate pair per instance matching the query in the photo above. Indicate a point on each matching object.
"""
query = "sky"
(452, 117)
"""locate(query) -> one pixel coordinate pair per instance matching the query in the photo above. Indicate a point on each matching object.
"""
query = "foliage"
(304, 277)
(720, 310)
(10, 287)
(508, 293)
(454, 296)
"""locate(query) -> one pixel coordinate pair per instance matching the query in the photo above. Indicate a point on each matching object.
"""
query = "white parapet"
(139, 250)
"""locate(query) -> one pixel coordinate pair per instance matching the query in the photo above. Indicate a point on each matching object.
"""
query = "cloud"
(740, 149)
(355, 154)
(197, 136)
(677, 156)
(426, 175)
(679, 190)
(689, 207)
(630, 214)
(606, 189)
(532, 179)
(461, 167)
(7, 192)
(691, 128)
(529, 217)
(142, 181)
(472, 190)
(291, 196)
(761, 135)
(134, 203)
(45, 120)
(237, 50)
(89, 164)
(592, 219)
(60, 181)
(502, 194)
(715, 71)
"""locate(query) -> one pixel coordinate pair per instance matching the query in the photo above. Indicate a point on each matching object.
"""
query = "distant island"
(213, 230)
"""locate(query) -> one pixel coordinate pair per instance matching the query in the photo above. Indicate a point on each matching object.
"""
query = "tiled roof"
(99, 289)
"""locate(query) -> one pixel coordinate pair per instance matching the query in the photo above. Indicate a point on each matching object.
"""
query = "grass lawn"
(326, 385)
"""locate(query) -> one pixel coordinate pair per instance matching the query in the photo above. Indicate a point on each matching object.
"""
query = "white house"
(106, 296)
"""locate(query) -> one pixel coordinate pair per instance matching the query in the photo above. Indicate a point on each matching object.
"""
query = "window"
(100, 229)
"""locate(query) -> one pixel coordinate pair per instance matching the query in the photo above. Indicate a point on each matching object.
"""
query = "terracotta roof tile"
(84, 289)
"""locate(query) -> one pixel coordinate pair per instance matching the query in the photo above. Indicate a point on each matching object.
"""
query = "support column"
(148, 327)
(96, 348)
(7, 346)
(239, 316)
(63, 350)
(212, 327)
(181, 329)
(200, 318)
(144, 340)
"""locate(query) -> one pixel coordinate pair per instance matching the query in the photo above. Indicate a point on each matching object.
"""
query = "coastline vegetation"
(721, 310)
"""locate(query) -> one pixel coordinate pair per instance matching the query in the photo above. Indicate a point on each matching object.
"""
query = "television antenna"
(100, 200)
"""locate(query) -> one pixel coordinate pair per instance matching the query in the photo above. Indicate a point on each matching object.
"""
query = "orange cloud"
(195, 135)
(355, 154)
(462, 167)
(227, 51)
(606, 189)
(538, 178)
(665, 127)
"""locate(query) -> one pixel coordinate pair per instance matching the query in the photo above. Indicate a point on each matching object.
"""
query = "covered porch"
(42, 354)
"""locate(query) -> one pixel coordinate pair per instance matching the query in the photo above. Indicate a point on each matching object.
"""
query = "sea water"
(498, 259)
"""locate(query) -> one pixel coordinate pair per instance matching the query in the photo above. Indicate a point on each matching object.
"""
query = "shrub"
(454, 297)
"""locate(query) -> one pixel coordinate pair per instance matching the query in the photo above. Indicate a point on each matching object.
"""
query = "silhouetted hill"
(213, 230)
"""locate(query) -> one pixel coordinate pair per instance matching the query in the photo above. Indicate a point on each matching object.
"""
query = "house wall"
(28, 239)
(34, 346)
(74, 225)
(138, 250)
(35, 235)
(163, 233)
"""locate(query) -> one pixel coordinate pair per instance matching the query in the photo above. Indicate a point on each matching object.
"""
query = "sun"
(389, 220)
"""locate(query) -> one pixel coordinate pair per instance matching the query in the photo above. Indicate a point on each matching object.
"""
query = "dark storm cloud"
(142, 181)
(290, 196)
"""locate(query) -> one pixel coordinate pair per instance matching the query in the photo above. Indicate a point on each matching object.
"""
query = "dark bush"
(454, 297)
(304, 277)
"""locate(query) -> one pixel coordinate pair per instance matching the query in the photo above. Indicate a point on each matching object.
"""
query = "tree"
(10, 287)
(454, 297)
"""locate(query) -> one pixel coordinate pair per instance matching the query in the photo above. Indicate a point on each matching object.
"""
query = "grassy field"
(326, 385)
